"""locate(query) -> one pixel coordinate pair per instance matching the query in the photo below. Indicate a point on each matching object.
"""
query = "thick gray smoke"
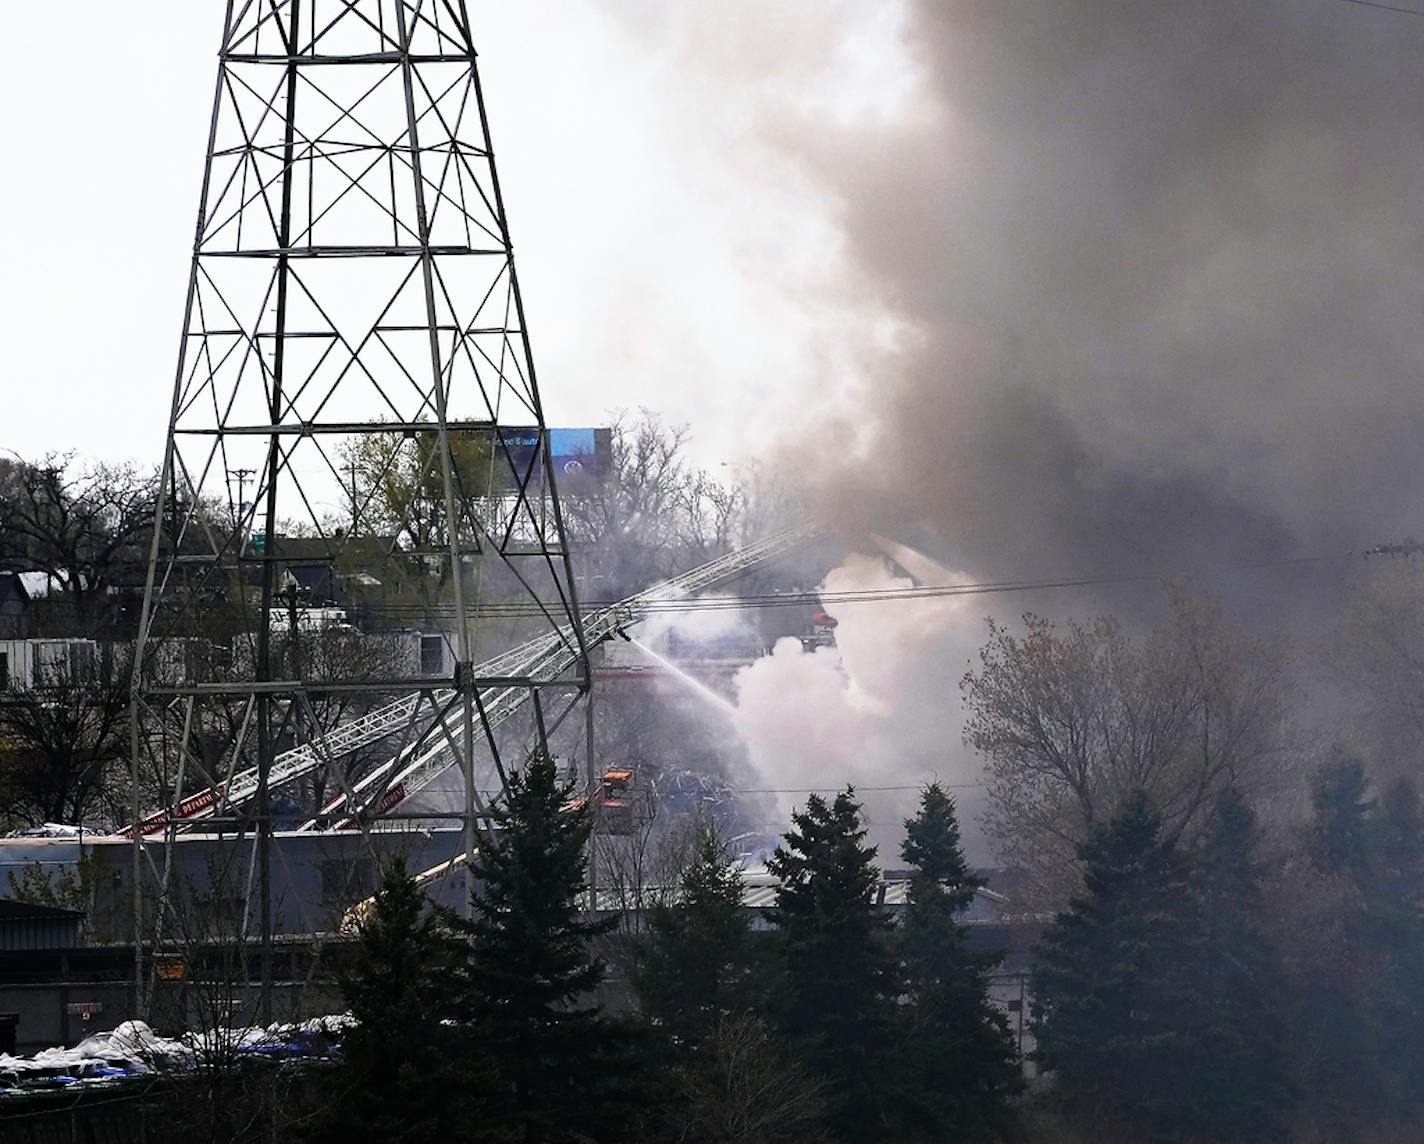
(1103, 287)
(1156, 269)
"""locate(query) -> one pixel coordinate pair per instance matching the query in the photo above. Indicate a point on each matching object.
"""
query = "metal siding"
(39, 933)
(21, 659)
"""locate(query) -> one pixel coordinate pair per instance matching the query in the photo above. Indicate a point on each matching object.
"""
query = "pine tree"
(405, 1072)
(1359, 980)
(1115, 1014)
(1241, 1062)
(1394, 906)
(697, 966)
(530, 969)
(959, 1060)
(1394, 885)
(1337, 973)
(840, 972)
(1340, 831)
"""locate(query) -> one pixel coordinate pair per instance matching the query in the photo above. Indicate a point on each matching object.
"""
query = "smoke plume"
(1155, 271)
(877, 710)
(1103, 288)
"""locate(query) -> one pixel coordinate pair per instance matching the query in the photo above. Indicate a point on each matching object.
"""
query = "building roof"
(986, 906)
(356, 550)
(12, 910)
(759, 893)
(15, 582)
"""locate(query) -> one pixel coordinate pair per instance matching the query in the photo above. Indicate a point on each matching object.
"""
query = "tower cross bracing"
(354, 351)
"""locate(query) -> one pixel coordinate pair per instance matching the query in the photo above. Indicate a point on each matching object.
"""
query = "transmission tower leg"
(352, 295)
(591, 766)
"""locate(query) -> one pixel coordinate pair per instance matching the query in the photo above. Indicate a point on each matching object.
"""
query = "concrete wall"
(315, 878)
(41, 988)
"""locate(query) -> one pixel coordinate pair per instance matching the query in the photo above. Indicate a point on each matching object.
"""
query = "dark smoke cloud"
(1123, 288)
(1158, 272)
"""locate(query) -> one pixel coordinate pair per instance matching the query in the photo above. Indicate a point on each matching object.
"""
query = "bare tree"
(654, 513)
(211, 1001)
(1070, 720)
(640, 869)
(215, 730)
(62, 745)
(1378, 659)
(86, 528)
(333, 655)
(745, 1087)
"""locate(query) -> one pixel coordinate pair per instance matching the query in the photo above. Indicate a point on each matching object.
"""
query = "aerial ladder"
(543, 659)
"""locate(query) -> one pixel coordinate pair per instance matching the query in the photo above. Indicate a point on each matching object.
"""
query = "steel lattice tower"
(354, 377)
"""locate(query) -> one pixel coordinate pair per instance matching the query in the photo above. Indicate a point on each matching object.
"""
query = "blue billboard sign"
(576, 454)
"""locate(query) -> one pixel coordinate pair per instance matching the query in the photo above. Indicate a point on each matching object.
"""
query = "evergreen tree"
(1340, 840)
(1241, 1063)
(1394, 886)
(405, 1072)
(840, 973)
(697, 965)
(1394, 907)
(530, 970)
(959, 1061)
(1337, 973)
(1115, 1013)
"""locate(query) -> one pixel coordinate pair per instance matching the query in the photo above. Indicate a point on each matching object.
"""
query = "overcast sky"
(671, 255)
(1043, 287)
(1073, 286)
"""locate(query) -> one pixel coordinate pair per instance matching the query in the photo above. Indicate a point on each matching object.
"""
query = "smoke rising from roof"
(1040, 288)
(1122, 288)
(1154, 276)
(877, 709)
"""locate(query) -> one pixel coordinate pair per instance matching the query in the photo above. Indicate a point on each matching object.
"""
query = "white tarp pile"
(129, 1049)
(49, 830)
(133, 1049)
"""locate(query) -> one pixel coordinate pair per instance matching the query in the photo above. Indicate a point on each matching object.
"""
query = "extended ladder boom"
(541, 659)
(415, 771)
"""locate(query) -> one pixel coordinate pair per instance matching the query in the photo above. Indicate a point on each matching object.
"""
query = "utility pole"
(241, 476)
(355, 508)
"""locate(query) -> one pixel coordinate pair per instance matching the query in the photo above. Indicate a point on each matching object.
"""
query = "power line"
(856, 787)
(494, 609)
(452, 790)
(1384, 7)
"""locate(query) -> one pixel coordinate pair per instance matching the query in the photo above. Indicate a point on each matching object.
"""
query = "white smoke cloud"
(698, 625)
(879, 709)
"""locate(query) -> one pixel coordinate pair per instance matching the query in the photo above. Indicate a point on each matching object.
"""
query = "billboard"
(577, 454)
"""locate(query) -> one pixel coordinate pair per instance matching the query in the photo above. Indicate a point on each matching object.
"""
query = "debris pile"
(133, 1049)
